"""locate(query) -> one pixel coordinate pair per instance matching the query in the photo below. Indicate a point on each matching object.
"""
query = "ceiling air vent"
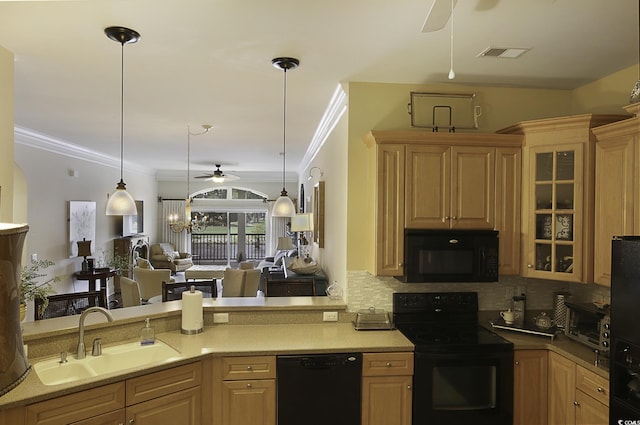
(502, 52)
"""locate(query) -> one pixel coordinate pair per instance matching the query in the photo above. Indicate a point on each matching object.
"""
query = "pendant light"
(121, 202)
(284, 205)
(452, 74)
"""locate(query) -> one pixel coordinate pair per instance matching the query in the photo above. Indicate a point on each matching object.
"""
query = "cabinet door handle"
(454, 218)
(517, 363)
(529, 266)
(408, 387)
(575, 403)
(446, 218)
(249, 386)
(600, 389)
(249, 367)
(131, 421)
(389, 364)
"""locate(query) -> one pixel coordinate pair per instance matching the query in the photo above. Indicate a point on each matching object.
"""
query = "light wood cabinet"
(112, 418)
(387, 382)
(617, 188)
(530, 387)
(78, 406)
(450, 187)
(507, 221)
(562, 387)
(558, 196)
(166, 397)
(247, 389)
(576, 395)
(390, 204)
(427, 180)
(589, 411)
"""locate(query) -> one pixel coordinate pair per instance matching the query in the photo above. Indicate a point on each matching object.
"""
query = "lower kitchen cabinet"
(387, 382)
(112, 418)
(589, 411)
(530, 387)
(78, 407)
(576, 395)
(168, 397)
(247, 388)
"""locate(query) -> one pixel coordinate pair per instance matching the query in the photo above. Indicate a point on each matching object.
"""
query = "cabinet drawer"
(592, 384)
(164, 382)
(76, 407)
(256, 367)
(387, 364)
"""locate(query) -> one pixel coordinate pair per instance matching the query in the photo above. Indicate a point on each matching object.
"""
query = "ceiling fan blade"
(438, 15)
(206, 176)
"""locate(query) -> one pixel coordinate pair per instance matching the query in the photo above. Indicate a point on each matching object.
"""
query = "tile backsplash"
(365, 290)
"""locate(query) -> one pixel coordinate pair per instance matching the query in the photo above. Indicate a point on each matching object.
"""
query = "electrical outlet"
(330, 316)
(220, 317)
(34, 258)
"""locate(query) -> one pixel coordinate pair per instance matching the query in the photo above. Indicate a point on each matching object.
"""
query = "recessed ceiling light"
(503, 52)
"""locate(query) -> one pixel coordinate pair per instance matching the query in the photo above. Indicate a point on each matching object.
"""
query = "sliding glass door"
(229, 237)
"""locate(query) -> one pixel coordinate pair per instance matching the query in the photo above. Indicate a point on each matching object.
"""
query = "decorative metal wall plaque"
(444, 111)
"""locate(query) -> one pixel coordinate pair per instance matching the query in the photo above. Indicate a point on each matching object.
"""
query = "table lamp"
(84, 250)
(302, 223)
(284, 244)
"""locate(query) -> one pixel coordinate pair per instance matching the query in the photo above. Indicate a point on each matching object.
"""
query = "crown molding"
(33, 139)
(335, 110)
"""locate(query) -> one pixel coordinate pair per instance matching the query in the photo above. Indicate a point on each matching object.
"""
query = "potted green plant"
(31, 288)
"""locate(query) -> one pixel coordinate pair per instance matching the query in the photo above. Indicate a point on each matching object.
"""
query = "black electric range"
(463, 372)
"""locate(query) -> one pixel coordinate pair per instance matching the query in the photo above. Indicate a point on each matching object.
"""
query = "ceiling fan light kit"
(284, 205)
(121, 202)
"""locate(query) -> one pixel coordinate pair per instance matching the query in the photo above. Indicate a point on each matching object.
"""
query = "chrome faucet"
(81, 352)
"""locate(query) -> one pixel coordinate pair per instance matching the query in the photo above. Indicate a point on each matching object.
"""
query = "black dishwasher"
(319, 389)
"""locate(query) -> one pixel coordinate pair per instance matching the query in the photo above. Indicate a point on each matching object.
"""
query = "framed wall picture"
(318, 214)
(82, 225)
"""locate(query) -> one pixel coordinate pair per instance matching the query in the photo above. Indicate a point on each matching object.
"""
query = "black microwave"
(450, 255)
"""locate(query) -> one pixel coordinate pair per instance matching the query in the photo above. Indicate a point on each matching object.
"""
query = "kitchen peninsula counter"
(228, 340)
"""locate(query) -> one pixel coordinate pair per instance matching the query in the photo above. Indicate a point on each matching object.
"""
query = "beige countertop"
(582, 355)
(228, 340)
(271, 332)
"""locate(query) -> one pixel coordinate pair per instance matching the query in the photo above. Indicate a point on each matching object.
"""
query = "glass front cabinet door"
(555, 196)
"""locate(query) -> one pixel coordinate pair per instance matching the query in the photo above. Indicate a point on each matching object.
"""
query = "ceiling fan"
(440, 12)
(218, 176)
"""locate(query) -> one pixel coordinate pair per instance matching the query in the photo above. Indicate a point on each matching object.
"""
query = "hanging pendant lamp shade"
(284, 205)
(121, 202)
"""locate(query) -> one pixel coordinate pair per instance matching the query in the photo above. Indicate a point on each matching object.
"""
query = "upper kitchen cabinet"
(450, 187)
(558, 196)
(427, 180)
(617, 188)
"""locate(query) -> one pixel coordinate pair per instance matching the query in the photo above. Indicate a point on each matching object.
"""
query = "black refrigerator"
(624, 398)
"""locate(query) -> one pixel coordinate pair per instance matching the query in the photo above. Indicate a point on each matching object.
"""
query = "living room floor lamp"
(121, 202)
(284, 205)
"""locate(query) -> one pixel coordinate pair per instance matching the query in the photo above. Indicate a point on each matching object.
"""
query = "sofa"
(277, 261)
(164, 256)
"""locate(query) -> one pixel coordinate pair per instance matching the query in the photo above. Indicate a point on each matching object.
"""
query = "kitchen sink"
(116, 358)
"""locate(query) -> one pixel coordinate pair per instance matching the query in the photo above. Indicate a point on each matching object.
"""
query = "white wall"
(49, 184)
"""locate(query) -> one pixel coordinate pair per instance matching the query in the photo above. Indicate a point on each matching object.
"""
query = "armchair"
(164, 256)
(150, 281)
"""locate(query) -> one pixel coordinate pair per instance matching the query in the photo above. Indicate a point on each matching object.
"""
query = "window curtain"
(180, 241)
(279, 228)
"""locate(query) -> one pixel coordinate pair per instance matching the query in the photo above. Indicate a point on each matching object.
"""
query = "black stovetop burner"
(444, 321)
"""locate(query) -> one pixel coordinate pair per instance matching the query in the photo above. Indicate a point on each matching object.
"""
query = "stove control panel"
(417, 302)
